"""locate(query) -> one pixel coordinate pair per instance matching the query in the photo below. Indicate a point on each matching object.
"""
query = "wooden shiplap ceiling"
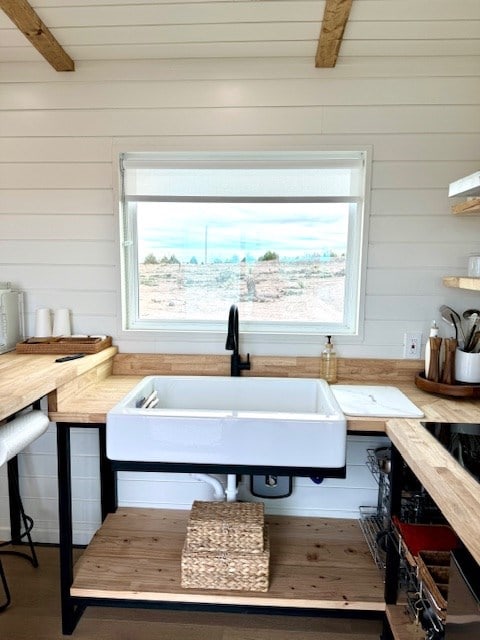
(226, 29)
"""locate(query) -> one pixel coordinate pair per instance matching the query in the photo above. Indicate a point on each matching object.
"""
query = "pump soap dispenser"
(328, 369)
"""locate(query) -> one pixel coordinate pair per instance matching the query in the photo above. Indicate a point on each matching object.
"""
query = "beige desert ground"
(264, 291)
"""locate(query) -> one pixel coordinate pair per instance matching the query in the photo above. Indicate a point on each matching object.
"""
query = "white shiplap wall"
(421, 118)
(58, 238)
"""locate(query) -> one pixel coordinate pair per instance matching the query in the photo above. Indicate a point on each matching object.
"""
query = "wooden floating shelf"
(462, 282)
(317, 563)
(468, 206)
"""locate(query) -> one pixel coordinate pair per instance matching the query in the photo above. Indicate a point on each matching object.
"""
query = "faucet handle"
(245, 365)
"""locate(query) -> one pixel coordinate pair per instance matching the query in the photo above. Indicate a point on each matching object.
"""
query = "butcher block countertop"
(453, 489)
(25, 378)
(83, 391)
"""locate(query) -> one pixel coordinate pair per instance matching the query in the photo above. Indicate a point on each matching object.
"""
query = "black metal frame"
(8, 598)
(72, 607)
(392, 568)
(18, 517)
(182, 467)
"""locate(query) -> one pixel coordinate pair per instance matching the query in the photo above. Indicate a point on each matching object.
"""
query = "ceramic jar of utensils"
(467, 366)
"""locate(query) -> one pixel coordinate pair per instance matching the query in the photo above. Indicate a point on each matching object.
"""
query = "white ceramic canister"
(43, 323)
(61, 322)
(467, 366)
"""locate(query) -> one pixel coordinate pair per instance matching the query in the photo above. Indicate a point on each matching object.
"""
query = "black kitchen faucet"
(236, 364)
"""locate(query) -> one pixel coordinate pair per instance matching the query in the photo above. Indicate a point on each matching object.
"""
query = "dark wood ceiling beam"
(25, 18)
(335, 18)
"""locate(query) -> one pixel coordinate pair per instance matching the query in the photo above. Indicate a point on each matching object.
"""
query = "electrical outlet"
(412, 346)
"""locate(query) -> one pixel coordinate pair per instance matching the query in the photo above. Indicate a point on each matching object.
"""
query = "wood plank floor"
(35, 615)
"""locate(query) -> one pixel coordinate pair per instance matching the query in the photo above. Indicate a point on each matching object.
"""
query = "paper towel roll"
(43, 323)
(20, 432)
(61, 322)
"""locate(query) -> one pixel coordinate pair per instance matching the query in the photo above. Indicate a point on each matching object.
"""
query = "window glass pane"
(280, 262)
(280, 235)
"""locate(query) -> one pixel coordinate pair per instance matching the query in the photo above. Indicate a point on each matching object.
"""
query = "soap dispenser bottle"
(329, 362)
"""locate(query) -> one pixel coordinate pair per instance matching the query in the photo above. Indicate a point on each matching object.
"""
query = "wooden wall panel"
(261, 92)
(88, 226)
(399, 120)
(59, 253)
(57, 201)
(41, 149)
(112, 71)
(67, 170)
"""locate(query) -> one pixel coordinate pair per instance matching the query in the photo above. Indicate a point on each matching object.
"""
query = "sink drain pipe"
(231, 490)
(219, 492)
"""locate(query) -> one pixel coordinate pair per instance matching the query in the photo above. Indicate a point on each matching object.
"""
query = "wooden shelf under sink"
(315, 563)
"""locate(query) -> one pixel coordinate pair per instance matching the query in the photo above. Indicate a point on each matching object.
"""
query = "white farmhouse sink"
(223, 420)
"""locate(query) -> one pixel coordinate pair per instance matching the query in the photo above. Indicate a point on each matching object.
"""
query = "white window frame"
(293, 340)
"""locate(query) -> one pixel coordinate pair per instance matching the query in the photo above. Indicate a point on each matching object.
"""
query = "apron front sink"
(283, 422)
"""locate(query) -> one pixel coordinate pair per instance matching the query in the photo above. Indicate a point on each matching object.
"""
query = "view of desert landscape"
(266, 290)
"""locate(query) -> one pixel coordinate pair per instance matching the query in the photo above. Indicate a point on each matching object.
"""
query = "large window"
(280, 235)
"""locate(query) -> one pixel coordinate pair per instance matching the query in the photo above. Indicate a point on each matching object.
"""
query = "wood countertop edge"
(26, 378)
(452, 488)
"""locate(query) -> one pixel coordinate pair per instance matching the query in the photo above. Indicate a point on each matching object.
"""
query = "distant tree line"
(151, 258)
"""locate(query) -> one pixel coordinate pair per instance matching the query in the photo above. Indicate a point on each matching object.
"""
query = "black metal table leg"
(386, 631)
(15, 519)
(393, 559)
(70, 613)
(108, 476)
(71, 610)
(3, 581)
(392, 565)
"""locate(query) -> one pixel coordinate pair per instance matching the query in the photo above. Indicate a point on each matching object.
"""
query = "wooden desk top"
(25, 378)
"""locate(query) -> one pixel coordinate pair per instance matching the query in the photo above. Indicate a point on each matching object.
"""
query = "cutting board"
(376, 401)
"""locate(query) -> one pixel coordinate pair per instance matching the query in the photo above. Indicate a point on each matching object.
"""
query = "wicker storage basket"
(226, 526)
(227, 570)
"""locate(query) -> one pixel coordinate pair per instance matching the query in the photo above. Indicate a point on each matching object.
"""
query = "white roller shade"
(201, 175)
